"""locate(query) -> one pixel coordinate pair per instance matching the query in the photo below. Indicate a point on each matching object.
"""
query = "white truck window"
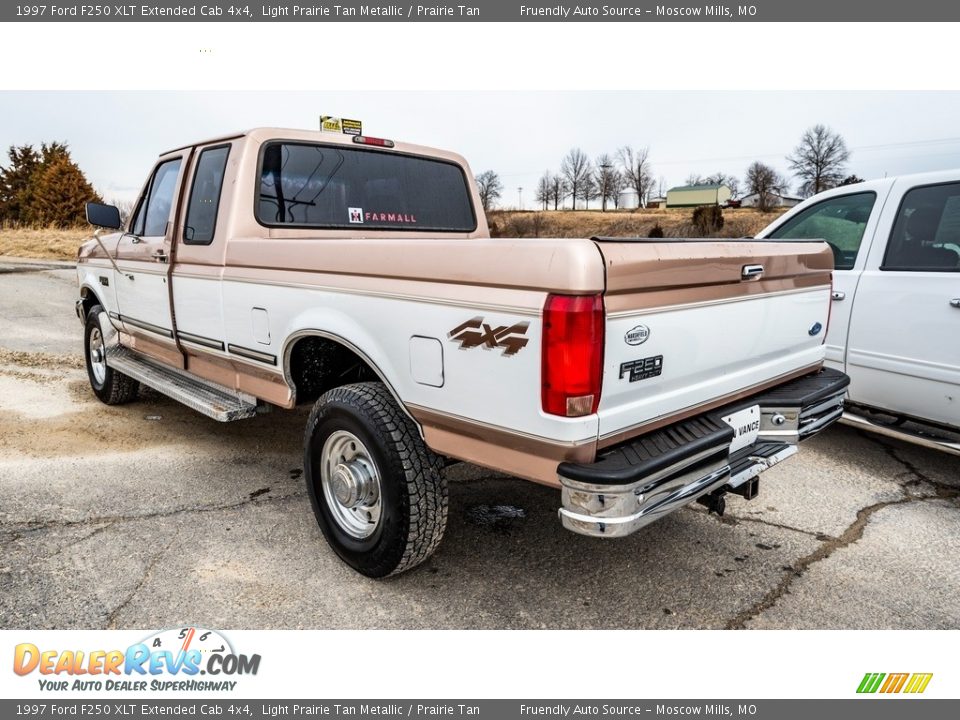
(154, 211)
(328, 186)
(838, 220)
(926, 234)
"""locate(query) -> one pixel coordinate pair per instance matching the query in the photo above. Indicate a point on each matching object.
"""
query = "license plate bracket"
(746, 427)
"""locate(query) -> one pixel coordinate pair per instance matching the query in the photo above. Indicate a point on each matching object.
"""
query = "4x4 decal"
(476, 333)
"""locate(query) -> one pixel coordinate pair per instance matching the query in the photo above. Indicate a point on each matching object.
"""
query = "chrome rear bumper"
(633, 484)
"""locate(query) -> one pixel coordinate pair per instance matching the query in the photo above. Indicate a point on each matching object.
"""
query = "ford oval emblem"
(637, 335)
(815, 330)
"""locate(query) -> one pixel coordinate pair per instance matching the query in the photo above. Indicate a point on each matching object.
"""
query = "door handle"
(751, 272)
(159, 256)
(955, 302)
(838, 295)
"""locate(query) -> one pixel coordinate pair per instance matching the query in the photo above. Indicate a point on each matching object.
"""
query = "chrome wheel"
(351, 484)
(98, 360)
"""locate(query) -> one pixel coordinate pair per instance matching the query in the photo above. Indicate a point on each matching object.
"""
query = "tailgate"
(692, 322)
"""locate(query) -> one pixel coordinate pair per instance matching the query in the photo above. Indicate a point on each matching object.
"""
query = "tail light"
(572, 370)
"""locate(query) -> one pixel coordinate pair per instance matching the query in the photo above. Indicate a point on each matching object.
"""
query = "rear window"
(325, 186)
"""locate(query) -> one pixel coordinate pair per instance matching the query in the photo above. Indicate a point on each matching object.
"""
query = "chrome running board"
(214, 401)
(910, 436)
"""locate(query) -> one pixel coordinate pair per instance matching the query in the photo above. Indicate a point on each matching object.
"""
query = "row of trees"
(44, 188)
(818, 162)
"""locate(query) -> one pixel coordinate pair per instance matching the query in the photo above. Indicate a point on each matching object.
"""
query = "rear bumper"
(633, 484)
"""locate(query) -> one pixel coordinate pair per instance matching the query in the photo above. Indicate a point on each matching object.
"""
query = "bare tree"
(558, 191)
(616, 185)
(819, 160)
(695, 179)
(124, 206)
(637, 172)
(576, 170)
(606, 178)
(490, 188)
(589, 189)
(766, 183)
(721, 178)
(544, 186)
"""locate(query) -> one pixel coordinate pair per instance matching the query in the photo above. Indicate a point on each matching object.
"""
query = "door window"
(154, 210)
(926, 234)
(839, 220)
(204, 203)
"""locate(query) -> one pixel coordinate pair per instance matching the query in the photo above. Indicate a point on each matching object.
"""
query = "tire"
(110, 386)
(377, 491)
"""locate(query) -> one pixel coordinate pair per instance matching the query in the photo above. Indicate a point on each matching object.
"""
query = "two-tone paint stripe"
(914, 683)
(252, 354)
(143, 325)
(200, 340)
(211, 343)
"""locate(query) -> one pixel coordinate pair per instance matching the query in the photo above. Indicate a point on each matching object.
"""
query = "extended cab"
(895, 322)
(283, 267)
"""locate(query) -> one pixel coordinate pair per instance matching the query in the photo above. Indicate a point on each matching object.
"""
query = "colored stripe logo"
(913, 683)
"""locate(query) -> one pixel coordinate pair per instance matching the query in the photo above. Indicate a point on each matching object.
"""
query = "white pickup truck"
(895, 321)
(282, 267)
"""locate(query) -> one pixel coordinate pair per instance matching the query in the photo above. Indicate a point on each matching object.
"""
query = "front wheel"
(378, 492)
(110, 386)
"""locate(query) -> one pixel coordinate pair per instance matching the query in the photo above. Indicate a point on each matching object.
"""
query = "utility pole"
(519, 198)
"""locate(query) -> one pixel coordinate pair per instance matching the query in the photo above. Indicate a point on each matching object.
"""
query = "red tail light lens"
(572, 370)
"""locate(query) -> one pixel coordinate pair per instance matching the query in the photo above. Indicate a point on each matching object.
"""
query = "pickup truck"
(275, 268)
(895, 322)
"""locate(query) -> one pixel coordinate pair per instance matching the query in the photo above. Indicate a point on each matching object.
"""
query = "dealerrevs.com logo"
(182, 659)
(884, 683)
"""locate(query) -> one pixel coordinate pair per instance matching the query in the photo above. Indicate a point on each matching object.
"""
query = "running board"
(214, 401)
(910, 436)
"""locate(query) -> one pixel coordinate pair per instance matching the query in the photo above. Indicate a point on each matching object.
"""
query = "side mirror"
(105, 216)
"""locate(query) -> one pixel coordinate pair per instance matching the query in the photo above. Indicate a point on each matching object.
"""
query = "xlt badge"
(642, 369)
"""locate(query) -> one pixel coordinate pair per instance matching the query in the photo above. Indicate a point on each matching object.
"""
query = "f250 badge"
(476, 333)
(642, 369)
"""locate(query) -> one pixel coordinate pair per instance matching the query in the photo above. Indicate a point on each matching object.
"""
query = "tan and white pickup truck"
(283, 267)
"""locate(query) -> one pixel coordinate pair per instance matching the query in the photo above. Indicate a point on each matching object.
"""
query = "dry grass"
(635, 223)
(48, 244)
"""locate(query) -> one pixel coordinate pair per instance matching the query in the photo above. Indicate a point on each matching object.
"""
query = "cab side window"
(201, 222)
(926, 234)
(154, 209)
(840, 221)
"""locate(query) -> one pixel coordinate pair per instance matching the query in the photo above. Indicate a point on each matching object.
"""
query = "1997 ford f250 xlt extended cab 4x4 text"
(281, 267)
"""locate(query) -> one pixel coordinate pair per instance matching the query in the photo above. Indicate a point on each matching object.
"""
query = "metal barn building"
(696, 195)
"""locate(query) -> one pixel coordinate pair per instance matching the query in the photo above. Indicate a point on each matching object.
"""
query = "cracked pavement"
(149, 515)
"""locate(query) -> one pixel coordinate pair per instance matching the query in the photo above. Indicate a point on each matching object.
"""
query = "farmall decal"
(476, 333)
(406, 218)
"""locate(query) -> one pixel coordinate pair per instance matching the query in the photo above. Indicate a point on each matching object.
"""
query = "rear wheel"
(110, 386)
(377, 491)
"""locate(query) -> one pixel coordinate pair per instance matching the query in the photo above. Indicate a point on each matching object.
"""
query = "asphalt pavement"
(150, 515)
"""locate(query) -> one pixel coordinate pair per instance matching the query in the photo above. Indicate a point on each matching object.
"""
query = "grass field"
(48, 244)
(58, 244)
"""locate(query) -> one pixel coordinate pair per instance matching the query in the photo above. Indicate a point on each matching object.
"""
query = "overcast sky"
(115, 136)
